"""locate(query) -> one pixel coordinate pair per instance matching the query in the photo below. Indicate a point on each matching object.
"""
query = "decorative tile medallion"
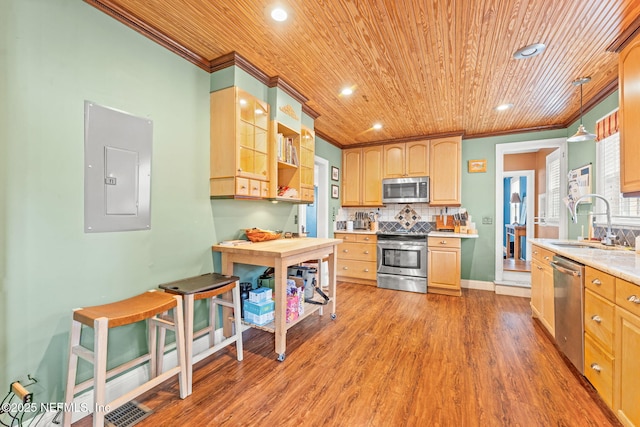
(407, 217)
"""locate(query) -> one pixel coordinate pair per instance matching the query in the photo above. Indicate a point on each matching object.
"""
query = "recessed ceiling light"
(279, 14)
(529, 51)
(347, 91)
(377, 126)
(503, 107)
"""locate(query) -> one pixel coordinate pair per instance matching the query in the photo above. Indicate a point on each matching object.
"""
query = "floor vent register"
(129, 414)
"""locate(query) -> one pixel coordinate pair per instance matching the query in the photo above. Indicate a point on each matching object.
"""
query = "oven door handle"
(402, 246)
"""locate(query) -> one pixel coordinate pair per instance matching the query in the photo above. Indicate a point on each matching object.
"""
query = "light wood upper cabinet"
(240, 157)
(406, 159)
(629, 80)
(362, 176)
(445, 166)
(307, 161)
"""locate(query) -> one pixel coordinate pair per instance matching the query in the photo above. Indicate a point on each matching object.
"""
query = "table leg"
(516, 246)
(332, 281)
(280, 285)
(188, 338)
(227, 268)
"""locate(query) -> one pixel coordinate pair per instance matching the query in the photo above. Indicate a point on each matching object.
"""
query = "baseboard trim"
(132, 379)
(477, 284)
(514, 291)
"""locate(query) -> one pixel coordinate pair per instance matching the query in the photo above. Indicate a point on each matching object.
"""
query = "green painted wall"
(478, 189)
(59, 54)
(5, 9)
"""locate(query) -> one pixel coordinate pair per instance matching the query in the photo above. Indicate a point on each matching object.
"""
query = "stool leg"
(213, 313)
(238, 323)
(178, 317)
(156, 351)
(74, 340)
(101, 331)
(188, 340)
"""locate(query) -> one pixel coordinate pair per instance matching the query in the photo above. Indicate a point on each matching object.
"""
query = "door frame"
(321, 180)
(518, 278)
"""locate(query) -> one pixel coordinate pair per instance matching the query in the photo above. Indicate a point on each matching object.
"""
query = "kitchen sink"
(589, 245)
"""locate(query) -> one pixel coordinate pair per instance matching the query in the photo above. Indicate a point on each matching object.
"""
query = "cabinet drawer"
(628, 296)
(601, 283)
(598, 319)
(242, 186)
(360, 269)
(367, 238)
(357, 251)
(444, 242)
(347, 237)
(598, 368)
(542, 255)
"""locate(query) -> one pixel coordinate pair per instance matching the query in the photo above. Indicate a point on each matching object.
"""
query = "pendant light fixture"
(581, 134)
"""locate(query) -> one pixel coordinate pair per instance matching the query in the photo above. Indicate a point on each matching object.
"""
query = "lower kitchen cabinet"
(357, 258)
(542, 298)
(599, 324)
(626, 398)
(443, 266)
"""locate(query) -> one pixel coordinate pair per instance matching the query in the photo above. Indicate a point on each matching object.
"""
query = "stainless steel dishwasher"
(568, 290)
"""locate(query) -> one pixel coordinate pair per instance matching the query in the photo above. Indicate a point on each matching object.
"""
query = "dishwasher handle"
(564, 270)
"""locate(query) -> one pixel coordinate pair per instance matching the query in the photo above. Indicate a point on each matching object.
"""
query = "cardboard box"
(258, 308)
(259, 319)
(260, 294)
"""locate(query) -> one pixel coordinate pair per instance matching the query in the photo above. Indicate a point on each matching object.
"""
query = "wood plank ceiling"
(420, 68)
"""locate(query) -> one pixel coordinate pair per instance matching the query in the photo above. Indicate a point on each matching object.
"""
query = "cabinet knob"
(443, 242)
(634, 299)
(345, 251)
(535, 252)
(596, 318)
(366, 238)
(596, 282)
(345, 268)
(366, 270)
(243, 187)
(239, 170)
(538, 267)
(547, 258)
(596, 367)
(366, 252)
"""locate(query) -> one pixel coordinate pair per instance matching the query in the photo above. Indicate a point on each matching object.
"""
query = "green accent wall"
(59, 54)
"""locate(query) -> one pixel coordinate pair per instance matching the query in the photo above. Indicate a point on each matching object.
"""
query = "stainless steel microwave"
(405, 190)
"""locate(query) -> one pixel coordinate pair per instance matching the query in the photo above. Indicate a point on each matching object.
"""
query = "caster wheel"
(333, 316)
(281, 357)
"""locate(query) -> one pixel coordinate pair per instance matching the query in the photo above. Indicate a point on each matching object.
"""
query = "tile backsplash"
(625, 235)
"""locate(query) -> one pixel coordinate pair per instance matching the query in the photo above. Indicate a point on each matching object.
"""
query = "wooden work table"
(280, 254)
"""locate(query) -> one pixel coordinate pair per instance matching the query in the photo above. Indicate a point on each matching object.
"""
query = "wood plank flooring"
(390, 358)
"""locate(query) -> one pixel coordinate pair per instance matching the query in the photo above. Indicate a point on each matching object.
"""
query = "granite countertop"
(356, 231)
(449, 234)
(619, 262)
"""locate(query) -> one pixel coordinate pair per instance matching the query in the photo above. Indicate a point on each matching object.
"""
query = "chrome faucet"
(609, 237)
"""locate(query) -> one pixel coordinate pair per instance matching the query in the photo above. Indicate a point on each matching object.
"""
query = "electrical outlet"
(487, 220)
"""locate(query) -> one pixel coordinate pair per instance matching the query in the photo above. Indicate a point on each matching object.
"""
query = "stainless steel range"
(402, 261)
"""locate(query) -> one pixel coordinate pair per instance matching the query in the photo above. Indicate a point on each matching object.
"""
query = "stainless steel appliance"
(402, 262)
(405, 190)
(568, 289)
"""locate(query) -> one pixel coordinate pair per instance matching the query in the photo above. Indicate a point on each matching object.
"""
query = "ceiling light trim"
(529, 51)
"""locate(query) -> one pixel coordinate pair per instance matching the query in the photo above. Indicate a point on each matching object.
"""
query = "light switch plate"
(487, 220)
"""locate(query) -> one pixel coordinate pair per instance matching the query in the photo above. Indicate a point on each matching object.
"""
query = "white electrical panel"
(117, 187)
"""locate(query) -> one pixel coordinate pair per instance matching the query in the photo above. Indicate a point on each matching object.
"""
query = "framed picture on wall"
(335, 173)
(335, 192)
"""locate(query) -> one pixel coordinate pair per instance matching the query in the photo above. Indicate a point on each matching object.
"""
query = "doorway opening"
(528, 210)
(315, 217)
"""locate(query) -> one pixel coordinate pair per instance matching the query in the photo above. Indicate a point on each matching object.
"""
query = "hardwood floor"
(510, 264)
(391, 358)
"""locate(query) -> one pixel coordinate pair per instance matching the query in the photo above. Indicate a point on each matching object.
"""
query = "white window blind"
(623, 210)
(553, 187)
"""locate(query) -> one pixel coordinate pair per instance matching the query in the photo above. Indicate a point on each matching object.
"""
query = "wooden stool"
(208, 286)
(146, 306)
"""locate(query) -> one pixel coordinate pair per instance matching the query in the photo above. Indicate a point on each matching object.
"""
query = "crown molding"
(122, 15)
(234, 58)
(625, 37)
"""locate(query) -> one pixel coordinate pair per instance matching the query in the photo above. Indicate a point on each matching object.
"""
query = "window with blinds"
(623, 210)
(553, 187)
